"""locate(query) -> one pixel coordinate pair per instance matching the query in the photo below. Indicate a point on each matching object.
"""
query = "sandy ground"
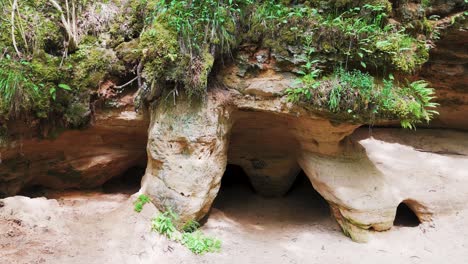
(93, 227)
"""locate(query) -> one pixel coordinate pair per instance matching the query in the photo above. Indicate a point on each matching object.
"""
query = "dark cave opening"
(127, 183)
(235, 176)
(405, 216)
(302, 204)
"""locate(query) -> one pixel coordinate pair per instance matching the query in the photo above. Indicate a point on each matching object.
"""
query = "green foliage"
(360, 35)
(202, 24)
(417, 105)
(191, 226)
(41, 77)
(178, 42)
(356, 95)
(140, 202)
(191, 35)
(92, 64)
(24, 91)
(199, 243)
(191, 237)
(18, 93)
(164, 224)
(365, 36)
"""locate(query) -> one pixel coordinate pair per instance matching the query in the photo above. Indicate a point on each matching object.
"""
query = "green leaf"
(64, 87)
(363, 64)
(53, 93)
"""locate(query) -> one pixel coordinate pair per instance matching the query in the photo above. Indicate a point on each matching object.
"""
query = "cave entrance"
(267, 184)
(405, 216)
(301, 205)
(127, 183)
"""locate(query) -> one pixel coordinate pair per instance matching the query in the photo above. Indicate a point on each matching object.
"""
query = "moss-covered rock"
(173, 45)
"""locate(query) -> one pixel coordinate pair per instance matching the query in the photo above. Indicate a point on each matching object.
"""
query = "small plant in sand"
(190, 236)
(140, 202)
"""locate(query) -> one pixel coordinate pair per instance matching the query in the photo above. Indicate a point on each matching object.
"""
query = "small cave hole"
(405, 216)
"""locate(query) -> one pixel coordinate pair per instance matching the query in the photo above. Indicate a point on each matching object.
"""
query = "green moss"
(179, 41)
(161, 51)
(92, 64)
(129, 52)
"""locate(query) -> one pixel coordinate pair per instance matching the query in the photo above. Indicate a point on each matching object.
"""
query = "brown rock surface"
(447, 71)
(76, 158)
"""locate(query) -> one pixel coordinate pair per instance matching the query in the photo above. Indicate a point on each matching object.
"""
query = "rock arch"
(363, 180)
(189, 146)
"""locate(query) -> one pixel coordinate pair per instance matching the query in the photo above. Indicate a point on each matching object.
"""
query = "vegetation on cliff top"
(55, 56)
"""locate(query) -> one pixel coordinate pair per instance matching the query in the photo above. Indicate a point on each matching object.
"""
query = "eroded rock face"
(190, 144)
(447, 71)
(76, 158)
(425, 170)
(187, 155)
(363, 178)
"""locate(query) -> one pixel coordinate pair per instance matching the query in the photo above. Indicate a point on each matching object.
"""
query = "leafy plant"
(140, 202)
(355, 95)
(164, 224)
(191, 237)
(335, 98)
(191, 226)
(201, 23)
(19, 94)
(420, 105)
(199, 243)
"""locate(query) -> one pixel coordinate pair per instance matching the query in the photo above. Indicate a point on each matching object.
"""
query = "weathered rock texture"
(447, 71)
(246, 120)
(187, 147)
(83, 158)
(425, 170)
(363, 179)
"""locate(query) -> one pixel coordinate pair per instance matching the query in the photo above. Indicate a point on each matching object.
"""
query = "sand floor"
(95, 227)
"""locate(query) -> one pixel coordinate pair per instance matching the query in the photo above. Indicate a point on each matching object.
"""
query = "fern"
(355, 95)
(199, 243)
(190, 236)
(164, 224)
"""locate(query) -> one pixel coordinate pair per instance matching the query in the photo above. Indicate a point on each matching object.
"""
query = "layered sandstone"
(83, 158)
